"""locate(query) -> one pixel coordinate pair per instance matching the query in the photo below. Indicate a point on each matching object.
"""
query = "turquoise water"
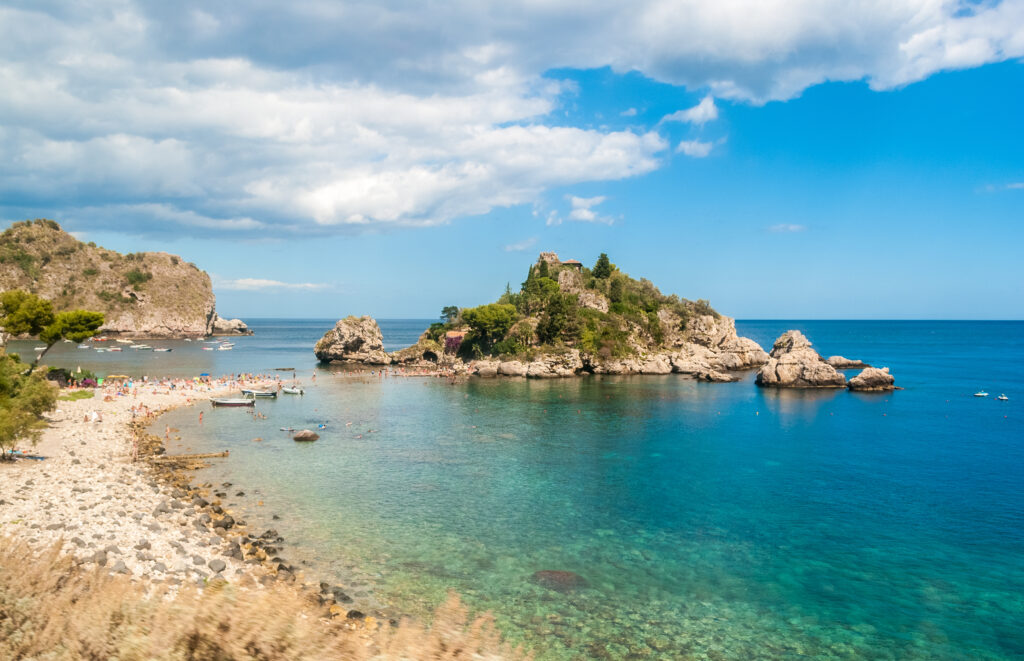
(708, 520)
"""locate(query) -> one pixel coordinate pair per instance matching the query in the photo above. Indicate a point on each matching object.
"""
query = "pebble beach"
(95, 490)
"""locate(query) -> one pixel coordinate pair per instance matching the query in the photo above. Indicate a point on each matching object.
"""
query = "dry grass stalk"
(51, 609)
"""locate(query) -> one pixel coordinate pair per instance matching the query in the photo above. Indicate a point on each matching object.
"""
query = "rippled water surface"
(707, 520)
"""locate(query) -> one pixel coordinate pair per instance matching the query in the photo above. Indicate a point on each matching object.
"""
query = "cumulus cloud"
(702, 113)
(260, 284)
(694, 148)
(520, 246)
(629, 112)
(1017, 185)
(583, 209)
(193, 116)
(784, 228)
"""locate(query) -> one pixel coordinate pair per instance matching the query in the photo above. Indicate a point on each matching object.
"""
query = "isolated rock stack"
(792, 363)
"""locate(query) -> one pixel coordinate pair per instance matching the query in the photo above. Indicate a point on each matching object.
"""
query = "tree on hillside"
(602, 267)
(24, 397)
(22, 313)
(490, 322)
(449, 313)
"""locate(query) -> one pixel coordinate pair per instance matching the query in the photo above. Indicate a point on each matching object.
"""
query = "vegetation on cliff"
(138, 292)
(600, 311)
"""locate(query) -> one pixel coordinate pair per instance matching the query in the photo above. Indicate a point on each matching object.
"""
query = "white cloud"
(694, 148)
(582, 209)
(783, 228)
(1017, 185)
(260, 284)
(520, 246)
(631, 112)
(702, 113)
(192, 116)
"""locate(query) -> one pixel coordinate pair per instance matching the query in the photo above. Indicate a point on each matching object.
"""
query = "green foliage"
(136, 277)
(24, 398)
(90, 272)
(603, 267)
(703, 307)
(24, 313)
(490, 322)
(449, 313)
(74, 325)
(560, 319)
(437, 331)
(543, 271)
(76, 395)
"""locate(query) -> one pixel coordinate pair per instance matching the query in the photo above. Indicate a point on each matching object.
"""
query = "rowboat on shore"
(296, 390)
(259, 393)
(233, 401)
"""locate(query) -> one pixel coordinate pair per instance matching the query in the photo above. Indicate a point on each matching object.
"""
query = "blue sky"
(365, 159)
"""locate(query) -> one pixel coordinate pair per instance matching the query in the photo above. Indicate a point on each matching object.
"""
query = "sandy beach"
(111, 507)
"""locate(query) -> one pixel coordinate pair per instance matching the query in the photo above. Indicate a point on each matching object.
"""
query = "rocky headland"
(144, 295)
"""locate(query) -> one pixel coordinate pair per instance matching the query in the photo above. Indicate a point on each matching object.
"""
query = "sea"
(698, 520)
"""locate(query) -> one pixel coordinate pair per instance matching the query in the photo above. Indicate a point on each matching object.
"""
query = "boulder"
(714, 376)
(555, 365)
(723, 348)
(841, 363)
(305, 435)
(355, 340)
(873, 379)
(512, 368)
(559, 581)
(794, 364)
(486, 368)
(423, 352)
(229, 327)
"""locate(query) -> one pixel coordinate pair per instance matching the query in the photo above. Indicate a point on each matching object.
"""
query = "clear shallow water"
(709, 520)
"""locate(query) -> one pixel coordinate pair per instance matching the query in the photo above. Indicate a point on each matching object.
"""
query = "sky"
(789, 159)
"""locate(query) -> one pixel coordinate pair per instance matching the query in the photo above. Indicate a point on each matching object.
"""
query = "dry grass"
(51, 609)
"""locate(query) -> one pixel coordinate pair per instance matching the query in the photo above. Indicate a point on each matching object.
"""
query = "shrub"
(137, 277)
(603, 267)
(90, 272)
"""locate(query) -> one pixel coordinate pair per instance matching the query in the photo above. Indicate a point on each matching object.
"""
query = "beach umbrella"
(204, 374)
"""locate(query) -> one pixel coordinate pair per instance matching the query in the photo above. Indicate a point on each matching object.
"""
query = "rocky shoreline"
(109, 494)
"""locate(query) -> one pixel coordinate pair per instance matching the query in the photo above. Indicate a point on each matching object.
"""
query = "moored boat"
(232, 401)
(293, 390)
(981, 393)
(259, 393)
(1002, 398)
(163, 349)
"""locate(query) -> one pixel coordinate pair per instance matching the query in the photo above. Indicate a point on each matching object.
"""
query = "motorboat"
(115, 349)
(293, 390)
(40, 348)
(224, 348)
(259, 393)
(84, 346)
(981, 393)
(142, 347)
(125, 341)
(1002, 398)
(233, 401)
(163, 349)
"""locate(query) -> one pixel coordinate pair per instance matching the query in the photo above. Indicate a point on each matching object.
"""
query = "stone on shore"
(353, 340)
(873, 379)
(792, 363)
(841, 363)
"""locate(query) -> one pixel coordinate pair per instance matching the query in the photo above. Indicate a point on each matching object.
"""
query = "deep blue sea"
(715, 521)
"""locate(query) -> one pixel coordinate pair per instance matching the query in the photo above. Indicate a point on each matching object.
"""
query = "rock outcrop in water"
(559, 581)
(841, 363)
(149, 294)
(792, 363)
(230, 327)
(353, 340)
(873, 379)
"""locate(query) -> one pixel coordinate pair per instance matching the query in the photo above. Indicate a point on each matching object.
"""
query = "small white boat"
(125, 341)
(259, 393)
(188, 339)
(84, 346)
(1002, 398)
(233, 401)
(67, 341)
(142, 347)
(40, 348)
(224, 348)
(295, 390)
(163, 349)
(207, 348)
(981, 393)
(115, 349)
(100, 350)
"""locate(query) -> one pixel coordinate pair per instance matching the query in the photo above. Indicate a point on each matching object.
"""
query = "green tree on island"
(603, 267)
(449, 313)
(22, 313)
(490, 322)
(24, 397)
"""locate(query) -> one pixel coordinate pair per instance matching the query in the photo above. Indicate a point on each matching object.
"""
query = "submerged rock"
(305, 435)
(794, 364)
(353, 339)
(873, 379)
(559, 581)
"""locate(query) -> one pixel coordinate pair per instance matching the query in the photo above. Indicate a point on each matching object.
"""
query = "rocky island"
(146, 294)
(566, 320)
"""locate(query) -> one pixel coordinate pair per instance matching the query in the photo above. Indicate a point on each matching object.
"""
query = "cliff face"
(152, 294)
